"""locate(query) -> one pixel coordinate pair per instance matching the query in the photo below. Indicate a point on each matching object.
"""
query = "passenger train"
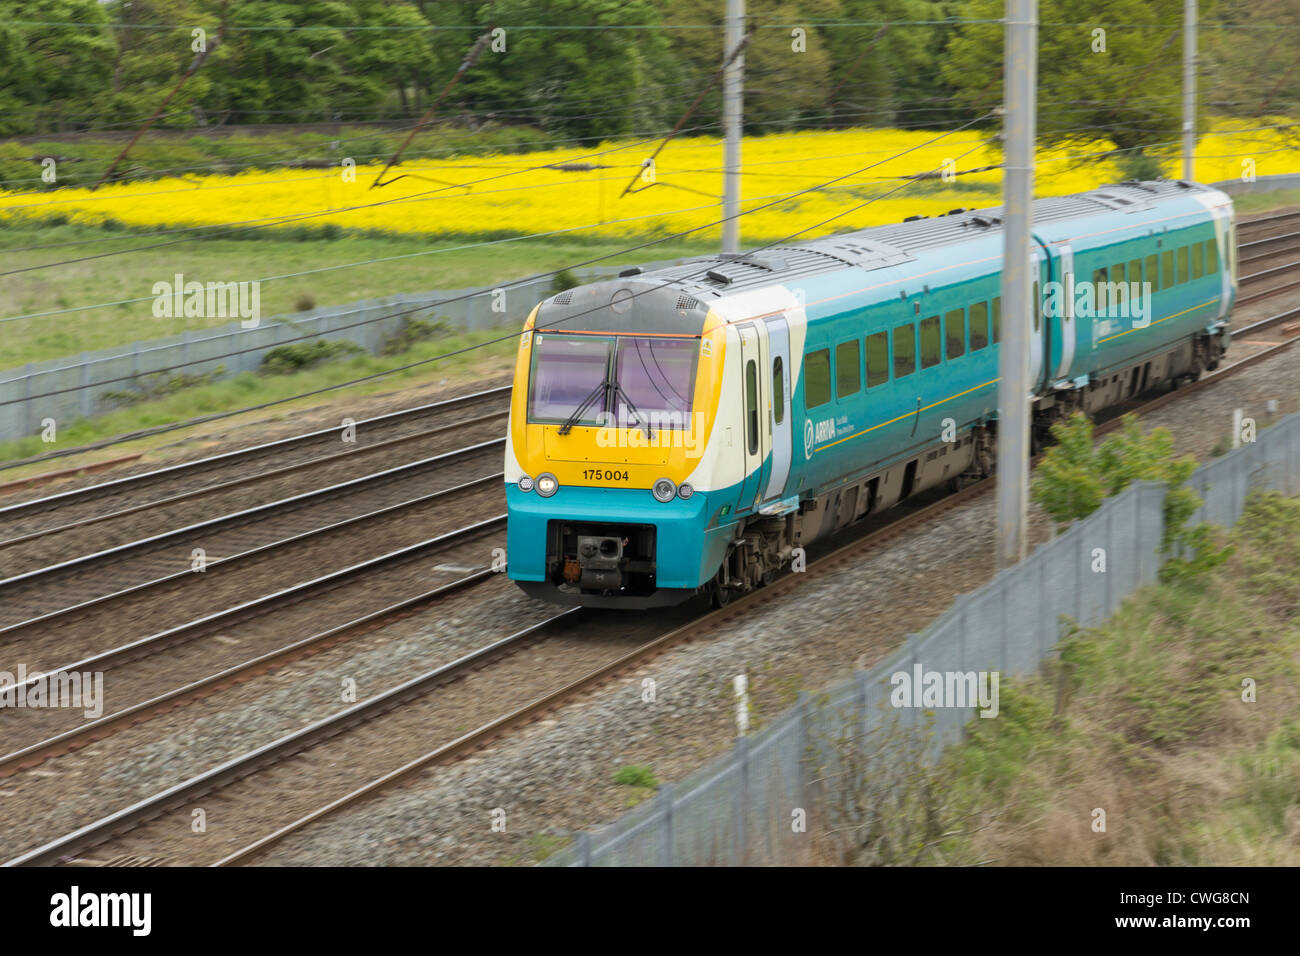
(683, 431)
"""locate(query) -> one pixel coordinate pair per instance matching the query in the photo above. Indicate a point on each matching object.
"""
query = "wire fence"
(93, 383)
(768, 800)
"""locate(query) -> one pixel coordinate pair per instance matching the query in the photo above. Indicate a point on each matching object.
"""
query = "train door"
(1225, 241)
(1067, 280)
(1036, 362)
(778, 381)
(755, 438)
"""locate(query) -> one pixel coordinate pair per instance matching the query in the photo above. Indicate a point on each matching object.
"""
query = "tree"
(56, 55)
(1122, 84)
(580, 73)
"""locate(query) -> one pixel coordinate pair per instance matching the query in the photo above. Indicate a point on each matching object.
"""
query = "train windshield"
(635, 380)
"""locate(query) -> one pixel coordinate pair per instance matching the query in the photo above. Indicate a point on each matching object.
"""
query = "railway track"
(157, 827)
(202, 567)
(241, 470)
(1271, 261)
(179, 665)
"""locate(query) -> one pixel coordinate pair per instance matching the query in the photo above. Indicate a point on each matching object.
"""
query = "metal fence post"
(1004, 662)
(84, 387)
(1110, 550)
(1044, 628)
(742, 801)
(666, 828)
(1079, 564)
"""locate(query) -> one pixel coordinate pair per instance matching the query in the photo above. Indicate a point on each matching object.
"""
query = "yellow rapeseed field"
(582, 191)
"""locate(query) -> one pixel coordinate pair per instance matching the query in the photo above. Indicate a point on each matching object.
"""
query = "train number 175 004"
(603, 474)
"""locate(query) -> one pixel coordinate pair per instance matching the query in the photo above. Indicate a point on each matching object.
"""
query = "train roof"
(697, 282)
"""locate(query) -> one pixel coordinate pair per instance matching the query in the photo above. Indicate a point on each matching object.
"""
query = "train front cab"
(611, 507)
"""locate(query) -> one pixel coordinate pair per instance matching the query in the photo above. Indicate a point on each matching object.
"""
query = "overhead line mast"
(733, 92)
(1019, 93)
(1189, 90)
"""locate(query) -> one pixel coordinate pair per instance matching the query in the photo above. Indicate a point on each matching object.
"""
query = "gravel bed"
(219, 645)
(86, 784)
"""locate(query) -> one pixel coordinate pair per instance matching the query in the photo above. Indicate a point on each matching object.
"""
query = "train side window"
(954, 332)
(997, 318)
(1211, 256)
(778, 389)
(1182, 264)
(1135, 271)
(817, 378)
(1198, 260)
(1117, 273)
(877, 346)
(848, 372)
(904, 350)
(1167, 277)
(979, 326)
(1153, 272)
(931, 344)
(751, 405)
(1038, 307)
(1098, 277)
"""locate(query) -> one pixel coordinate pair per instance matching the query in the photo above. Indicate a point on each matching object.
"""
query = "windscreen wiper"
(631, 407)
(573, 419)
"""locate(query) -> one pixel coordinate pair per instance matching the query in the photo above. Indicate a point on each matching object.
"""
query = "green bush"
(286, 359)
(160, 385)
(636, 775)
(564, 279)
(1134, 164)
(412, 331)
(1076, 475)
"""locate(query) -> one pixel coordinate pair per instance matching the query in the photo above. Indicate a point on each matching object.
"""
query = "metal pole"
(1020, 78)
(1189, 90)
(733, 80)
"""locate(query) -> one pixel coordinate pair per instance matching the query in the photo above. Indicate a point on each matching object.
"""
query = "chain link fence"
(96, 382)
(756, 805)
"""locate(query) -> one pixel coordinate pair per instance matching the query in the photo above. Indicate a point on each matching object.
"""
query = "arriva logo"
(816, 433)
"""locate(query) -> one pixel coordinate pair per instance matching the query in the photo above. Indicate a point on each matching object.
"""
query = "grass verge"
(1176, 726)
(426, 265)
(468, 369)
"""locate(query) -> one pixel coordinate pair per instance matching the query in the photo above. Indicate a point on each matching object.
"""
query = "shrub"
(564, 279)
(636, 775)
(286, 359)
(1076, 476)
(412, 331)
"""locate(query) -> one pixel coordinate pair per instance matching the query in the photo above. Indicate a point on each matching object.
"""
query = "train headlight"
(664, 489)
(547, 485)
(525, 483)
(685, 491)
